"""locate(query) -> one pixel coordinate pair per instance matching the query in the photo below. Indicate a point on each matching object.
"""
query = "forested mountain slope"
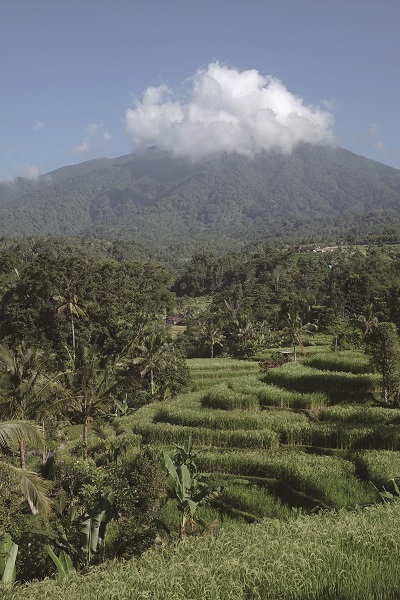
(225, 200)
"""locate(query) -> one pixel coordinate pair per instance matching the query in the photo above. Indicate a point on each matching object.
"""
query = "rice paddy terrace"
(287, 443)
(305, 435)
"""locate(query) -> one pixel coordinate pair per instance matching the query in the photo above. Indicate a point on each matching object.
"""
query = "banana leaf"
(8, 555)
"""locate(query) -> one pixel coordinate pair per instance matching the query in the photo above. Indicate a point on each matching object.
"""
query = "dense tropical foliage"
(275, 397)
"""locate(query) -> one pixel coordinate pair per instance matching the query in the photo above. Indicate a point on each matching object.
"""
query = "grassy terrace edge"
(330, 556)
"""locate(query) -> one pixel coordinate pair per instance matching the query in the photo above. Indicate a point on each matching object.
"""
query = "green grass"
(329, 479)
(378, 466)
(252, 502)
(355, 362)
(347, 555)
(224, 398)
(360, 414)
(300, 377)
(206, 372)
(278, 421)
(163, 434)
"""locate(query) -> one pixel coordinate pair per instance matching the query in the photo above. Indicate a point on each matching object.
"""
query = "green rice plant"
(360, 414)
(384, 438)
(330, 479)
(272, 395)
(350, 361)
(329, 556)
(378, 466)
(350, 437)
(252, 501)
(233, 420)
(164, 434)
(197, 365)
(208, 372)
(226, 399)
(303, 378)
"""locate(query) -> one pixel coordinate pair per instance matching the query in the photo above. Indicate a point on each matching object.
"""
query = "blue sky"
(75, 75)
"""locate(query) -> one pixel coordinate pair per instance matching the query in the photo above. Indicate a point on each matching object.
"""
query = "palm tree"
(11, 434)
(75, 309)
(153, 353)
(294, 329)
(213, 335)
(28, 386)
(89, 385)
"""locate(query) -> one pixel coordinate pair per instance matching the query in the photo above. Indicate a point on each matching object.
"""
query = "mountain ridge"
(227, 200)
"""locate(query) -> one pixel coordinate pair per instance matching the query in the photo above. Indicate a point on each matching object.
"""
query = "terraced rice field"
(283, 428)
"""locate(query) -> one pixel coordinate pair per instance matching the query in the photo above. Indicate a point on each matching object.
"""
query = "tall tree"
(294, 330)
(89, 384)
(153, 352)
(75, 310)
(383, 348)
(27, 387)
(11, 434)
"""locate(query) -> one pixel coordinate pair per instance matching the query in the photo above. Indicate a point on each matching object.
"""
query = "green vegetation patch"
(349, 361)
(378, 466)
(164, 434)
(220, 419)
(303, 378)
(345, 554)
(360, 414)
(327, 478)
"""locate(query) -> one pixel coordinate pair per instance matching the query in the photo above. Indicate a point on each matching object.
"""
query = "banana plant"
(387, 496)
(91, 528)
(63, 563)
(8, 555)
(186, 485)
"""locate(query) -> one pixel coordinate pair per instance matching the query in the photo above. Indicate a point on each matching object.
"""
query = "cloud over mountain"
(224, 109)
(28, 171)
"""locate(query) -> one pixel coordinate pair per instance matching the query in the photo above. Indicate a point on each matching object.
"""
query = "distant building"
(303, 249)
(175, 320)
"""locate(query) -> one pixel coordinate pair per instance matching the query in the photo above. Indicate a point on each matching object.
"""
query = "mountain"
(222, 202)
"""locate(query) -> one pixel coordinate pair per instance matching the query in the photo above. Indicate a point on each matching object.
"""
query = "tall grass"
(330, 479)
(360, 414)
(303, 378)
(378, 466)
(204, 365)
(164, 434)
(208, 372)
(252, 501)
(351, 361)
(331, 556)
(221, 419)
(224, 398)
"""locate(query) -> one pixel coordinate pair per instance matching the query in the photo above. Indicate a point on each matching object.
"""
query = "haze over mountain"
(222, 201)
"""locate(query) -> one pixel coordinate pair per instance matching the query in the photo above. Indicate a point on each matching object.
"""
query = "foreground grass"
(350, 555)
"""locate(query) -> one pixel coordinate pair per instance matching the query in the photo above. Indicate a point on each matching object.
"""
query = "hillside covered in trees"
(173, 206)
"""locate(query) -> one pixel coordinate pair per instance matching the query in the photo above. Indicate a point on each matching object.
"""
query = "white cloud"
(83, 148)
(226, 110)
(329, 104)
(373, 129)
(379, 145)
(38, 125)
(28, 171)
(106, 137)
(93, 128)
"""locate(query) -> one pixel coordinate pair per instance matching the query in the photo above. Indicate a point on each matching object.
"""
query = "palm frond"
(12, 432)
(33, 488)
